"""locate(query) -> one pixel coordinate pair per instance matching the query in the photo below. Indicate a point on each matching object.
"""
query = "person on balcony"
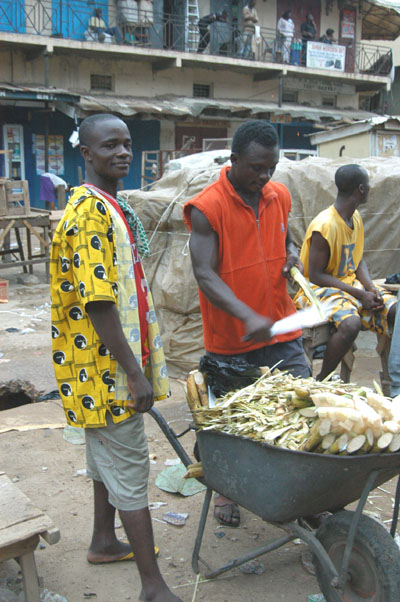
(249, 20)
(204, 31)
(98, 26)
(308, 33)
(328, 38)
(285, 29)
(128, 13)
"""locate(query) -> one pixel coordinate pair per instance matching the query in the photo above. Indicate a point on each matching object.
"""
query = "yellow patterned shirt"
(91, 260)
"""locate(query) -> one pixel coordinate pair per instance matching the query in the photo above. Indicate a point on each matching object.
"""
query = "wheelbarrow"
(356, 559)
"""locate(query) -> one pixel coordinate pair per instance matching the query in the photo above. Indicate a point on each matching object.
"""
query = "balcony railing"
(69, 19)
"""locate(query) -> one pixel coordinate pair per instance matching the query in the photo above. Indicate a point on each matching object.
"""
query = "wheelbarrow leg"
(200, 530)
(395, 510)
(352, 533)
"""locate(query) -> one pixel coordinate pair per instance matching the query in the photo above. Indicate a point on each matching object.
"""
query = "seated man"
(332, 255)
(204, 31)
(328, 38)
(98, 26)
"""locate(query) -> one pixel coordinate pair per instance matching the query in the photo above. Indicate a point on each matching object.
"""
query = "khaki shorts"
(117, 455)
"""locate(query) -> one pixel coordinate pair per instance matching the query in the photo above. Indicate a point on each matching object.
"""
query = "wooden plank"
(35, 526)
(20, 548)
(15, 506)
(36, 233)
(52, 535)
(6, 231)
(20, 519)
(16, 264)
(393, 288)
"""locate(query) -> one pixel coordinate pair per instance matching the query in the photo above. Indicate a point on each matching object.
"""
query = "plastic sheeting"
(311, 183)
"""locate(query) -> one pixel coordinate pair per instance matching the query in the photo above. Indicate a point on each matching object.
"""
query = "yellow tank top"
(346, 244)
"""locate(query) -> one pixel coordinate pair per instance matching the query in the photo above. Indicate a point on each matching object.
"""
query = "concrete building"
(56, 69)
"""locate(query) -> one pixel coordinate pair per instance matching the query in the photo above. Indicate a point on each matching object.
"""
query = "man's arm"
(105, 319)
(204, 253)
(362, 274)
(292, 256)
(318, 261)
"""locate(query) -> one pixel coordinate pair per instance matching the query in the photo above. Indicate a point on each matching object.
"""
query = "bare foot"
(226, 512)
(162, 595)
(119, 550)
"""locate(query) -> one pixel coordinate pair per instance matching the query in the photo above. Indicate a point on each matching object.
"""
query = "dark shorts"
(290, 355)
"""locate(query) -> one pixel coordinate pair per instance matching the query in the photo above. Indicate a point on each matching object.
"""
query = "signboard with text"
(326, 56)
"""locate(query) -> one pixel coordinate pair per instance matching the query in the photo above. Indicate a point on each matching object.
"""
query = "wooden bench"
(21, 525)
(319, 335)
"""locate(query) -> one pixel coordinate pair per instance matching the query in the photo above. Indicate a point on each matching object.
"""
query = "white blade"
(301, 319)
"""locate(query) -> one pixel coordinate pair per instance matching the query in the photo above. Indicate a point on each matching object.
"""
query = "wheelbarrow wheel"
(374, 567)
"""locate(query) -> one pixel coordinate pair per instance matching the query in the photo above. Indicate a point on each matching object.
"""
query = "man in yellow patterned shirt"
(107, 350)
(332, 256)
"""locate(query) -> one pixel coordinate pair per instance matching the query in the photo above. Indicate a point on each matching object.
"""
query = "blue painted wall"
(145, 136)
(12, 16)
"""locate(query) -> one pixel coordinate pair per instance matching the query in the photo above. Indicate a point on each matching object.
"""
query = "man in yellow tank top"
(332, 255)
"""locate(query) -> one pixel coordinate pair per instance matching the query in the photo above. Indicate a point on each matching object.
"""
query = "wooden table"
(393, 288)
(21, 524)
(31, 223)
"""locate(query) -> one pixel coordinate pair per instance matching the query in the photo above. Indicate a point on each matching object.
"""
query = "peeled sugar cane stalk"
(325, 400)
(201, 388)
(382, 405)
(307, 290)
(370, 417)
(369, 442)
(314, 438)
(355, 444)
(394, 445)
(339, 444)
(343, 419)
(193, 398)
(383, 442)
(194, 471)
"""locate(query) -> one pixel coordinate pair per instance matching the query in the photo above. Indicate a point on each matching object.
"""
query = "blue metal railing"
(69, 19)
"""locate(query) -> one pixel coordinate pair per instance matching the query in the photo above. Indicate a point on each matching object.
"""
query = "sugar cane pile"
(301, 414)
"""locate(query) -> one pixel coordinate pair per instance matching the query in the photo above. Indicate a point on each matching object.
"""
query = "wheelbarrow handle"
(171, 436)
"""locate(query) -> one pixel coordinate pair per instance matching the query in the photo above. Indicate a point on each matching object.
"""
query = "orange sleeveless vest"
(251, 258)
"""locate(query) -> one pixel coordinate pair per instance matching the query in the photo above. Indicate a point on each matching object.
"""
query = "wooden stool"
(21, 524)
(320, 335)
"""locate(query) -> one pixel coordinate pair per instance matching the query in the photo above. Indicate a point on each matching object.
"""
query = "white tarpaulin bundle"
(311, 184)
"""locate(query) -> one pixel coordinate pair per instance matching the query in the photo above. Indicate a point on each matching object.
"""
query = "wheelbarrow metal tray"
(280, 485)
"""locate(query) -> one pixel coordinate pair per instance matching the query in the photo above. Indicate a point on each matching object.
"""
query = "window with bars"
(202, 90)
(289, 96)
(329, 101)
(101, 82)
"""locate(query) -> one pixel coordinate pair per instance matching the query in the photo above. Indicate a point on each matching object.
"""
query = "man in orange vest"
(242, 252)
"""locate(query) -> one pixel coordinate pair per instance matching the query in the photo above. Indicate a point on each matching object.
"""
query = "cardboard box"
(3, 291)
(17, 192)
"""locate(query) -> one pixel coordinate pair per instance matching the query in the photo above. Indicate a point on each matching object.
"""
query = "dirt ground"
(44, 466)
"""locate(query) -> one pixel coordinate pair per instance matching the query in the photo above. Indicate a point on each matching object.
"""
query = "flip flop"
(129, 556)
(234, 513)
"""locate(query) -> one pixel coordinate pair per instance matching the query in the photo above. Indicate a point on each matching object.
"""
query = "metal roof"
(358, 127)
(380, 19)
(14, 92)
(205, 108)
